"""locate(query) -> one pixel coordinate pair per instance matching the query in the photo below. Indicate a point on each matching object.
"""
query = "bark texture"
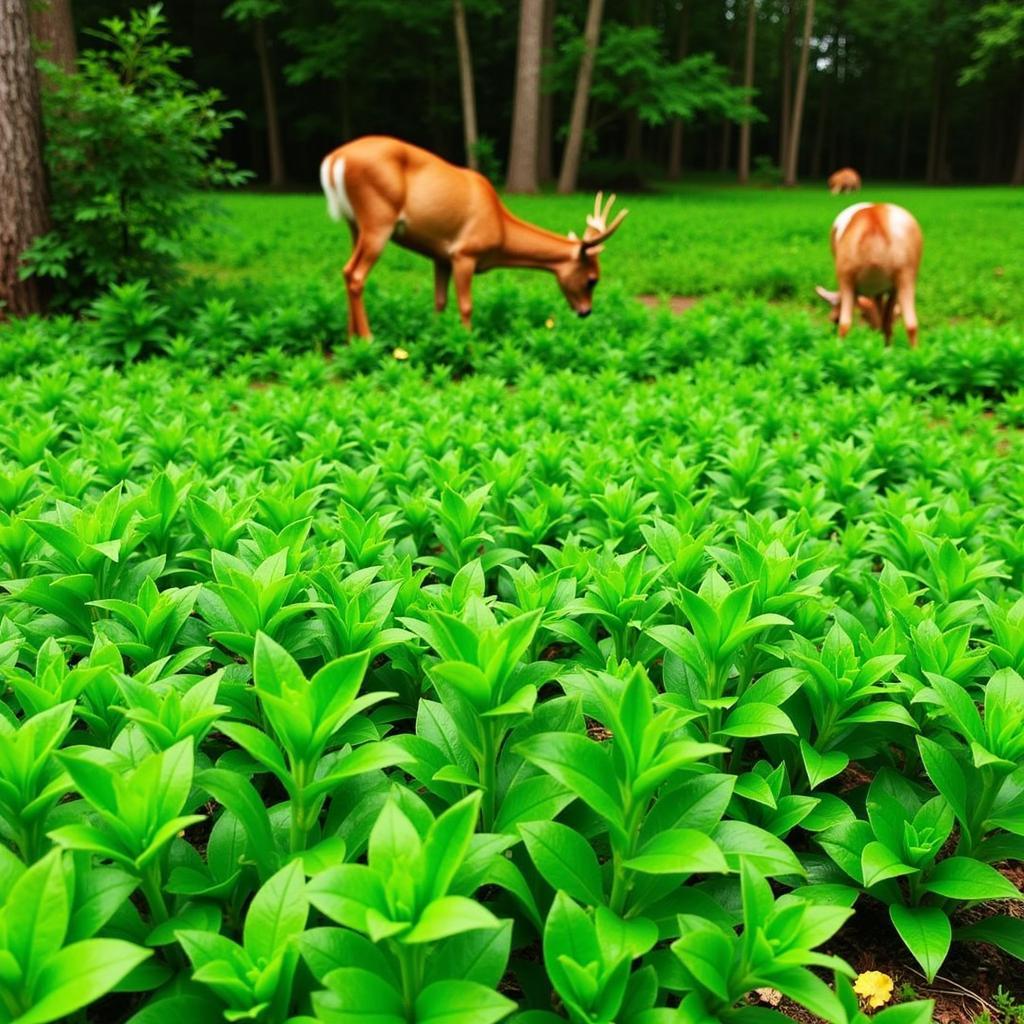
(748, 83)
(796, 122)
(522, 160)
(23, 204)
(581, 98)
(54, 32)
(467, 89)
(546, 140)
(275, 150)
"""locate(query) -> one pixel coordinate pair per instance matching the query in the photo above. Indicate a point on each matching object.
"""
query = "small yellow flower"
(875, 987)
(550, 323)
(400, 354)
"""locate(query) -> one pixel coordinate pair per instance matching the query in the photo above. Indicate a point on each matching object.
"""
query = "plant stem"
(297, 826)
(153, 891)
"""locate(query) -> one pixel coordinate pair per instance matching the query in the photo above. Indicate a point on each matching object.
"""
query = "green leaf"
(821, 767)
(449, 915)
(739, 840)
(357, 996)
(679, 851)
(581, 765)
(446, 844)
(926, 933)
(277, 913)
(1005, 932)
(565, 860)
(480, 956)
(461, 1002)
(78, 975)
(963, 878)
(878, 862)
(750, 721)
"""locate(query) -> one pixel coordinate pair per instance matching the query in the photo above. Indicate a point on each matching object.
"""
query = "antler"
(598, 230)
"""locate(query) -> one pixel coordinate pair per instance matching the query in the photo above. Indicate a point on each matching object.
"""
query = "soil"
(676, 303)
(964, 988)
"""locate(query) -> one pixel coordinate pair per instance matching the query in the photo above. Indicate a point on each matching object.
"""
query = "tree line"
(539, 92)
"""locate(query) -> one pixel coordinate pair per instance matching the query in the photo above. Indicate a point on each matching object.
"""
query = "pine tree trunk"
(578, 119)
(275, 151)
(787, 83)
(675, 146)
(466, 86)
(54, 28)
(1017, 178)
(546, 142)
(793, 154)
(522, 158)
(748, 83)
(23, 210)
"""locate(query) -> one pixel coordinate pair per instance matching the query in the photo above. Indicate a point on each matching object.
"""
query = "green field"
(607, 671)
(693, 241)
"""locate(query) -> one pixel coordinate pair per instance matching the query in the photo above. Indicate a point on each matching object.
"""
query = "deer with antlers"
(390, 190)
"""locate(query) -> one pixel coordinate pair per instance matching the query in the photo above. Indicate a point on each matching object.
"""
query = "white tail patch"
(842, 222)
(332, 181)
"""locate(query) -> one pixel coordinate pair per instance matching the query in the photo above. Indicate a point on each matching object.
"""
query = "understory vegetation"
(579, 671)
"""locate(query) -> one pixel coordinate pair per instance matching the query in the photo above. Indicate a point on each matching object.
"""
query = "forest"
(925, 90)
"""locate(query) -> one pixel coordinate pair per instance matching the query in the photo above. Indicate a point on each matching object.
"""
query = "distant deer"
(877, 251)
(846, 179)
(388, 189)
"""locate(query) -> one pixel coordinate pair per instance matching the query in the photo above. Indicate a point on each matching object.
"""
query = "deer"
(390, 190)
(877, 251)
(846, 179)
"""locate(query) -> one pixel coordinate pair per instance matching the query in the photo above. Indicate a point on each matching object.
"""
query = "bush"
(130, 141)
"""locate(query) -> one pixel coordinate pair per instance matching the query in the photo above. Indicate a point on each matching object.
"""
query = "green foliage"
(129, 141)
(602, 683)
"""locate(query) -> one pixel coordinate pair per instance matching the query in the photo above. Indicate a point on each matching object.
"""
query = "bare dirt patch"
(676, 303)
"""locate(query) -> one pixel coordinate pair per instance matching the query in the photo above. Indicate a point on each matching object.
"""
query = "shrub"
(129, 142)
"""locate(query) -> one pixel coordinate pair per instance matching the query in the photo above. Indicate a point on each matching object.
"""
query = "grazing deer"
(846, 179)
(877, 250)
(387, 189)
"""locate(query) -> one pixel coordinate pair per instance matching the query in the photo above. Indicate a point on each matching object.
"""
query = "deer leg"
(463, 268)
(905, 293)
(888, 311)
(364, 256)
(846, 303)
(442, 275)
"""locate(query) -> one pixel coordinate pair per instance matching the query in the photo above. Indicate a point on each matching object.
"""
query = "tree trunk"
(54, 29)
(546, 141)
(725, 144)
(581, 98)
(522, 158)
(466, 86)
(748, 83)
(793, 154)
(23, 210)
(787, 83)
(275, 151)
(675, 146)
(1017, 178)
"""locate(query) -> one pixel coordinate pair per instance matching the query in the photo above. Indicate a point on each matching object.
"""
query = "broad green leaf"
(564, 859)
(926, 933)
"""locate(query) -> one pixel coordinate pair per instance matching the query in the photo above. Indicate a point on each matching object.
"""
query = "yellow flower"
(400, 354)
(550, 323)
(875, 987)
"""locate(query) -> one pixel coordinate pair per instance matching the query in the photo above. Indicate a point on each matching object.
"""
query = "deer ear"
(832, 298)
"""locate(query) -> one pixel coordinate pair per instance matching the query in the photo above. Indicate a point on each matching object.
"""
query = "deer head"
(579, 276)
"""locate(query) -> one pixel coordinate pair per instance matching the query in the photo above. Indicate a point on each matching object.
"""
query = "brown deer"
(390, 190)
(877, 252)
(846, 179)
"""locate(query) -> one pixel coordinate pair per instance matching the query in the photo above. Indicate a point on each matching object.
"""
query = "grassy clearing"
(694, 240)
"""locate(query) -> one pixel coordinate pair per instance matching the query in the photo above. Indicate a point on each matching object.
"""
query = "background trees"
(917, 89)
